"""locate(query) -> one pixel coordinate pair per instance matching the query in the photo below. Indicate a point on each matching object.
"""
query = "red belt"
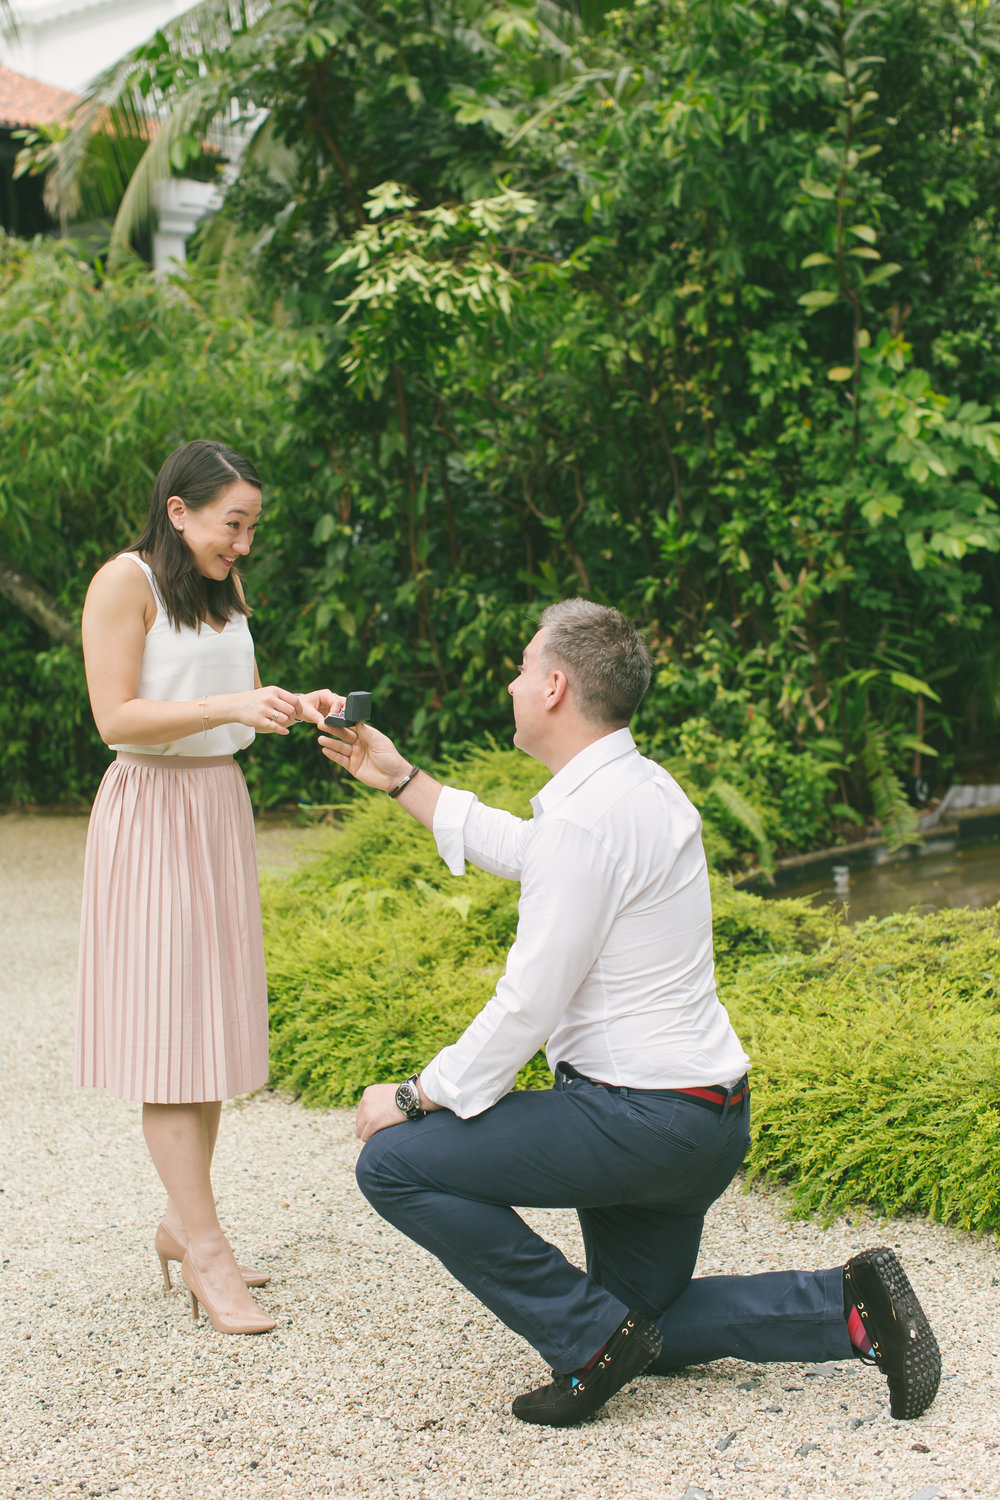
(715, 1097)
(712, 1096)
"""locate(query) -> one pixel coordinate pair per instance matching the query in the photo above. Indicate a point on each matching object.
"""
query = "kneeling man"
(648, 1119)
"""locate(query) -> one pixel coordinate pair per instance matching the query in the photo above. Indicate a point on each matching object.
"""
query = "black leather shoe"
(903, 1346)
(569, 1400)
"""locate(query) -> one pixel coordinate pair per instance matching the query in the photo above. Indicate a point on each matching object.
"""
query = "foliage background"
(692, 309)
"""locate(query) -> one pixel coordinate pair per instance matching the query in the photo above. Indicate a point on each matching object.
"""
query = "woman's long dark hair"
(198, 472)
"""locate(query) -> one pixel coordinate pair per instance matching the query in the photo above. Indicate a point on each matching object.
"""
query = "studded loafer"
(570, 1399)
(903, 1346)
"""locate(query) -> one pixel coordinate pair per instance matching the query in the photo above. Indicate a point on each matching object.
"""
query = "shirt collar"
(601, 753)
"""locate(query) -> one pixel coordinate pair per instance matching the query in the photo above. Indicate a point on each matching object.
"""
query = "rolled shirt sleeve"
(494, 840)
(570, 887)
(449, 826)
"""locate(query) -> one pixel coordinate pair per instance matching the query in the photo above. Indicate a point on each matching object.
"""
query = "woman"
(172, 1003)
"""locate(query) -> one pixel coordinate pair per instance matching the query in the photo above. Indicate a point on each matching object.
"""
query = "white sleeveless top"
(178, 665)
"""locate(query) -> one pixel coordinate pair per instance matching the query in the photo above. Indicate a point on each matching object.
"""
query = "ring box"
(356, 710)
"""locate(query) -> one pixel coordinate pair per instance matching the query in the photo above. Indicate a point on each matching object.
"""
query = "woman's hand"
(268, 710)
(314, 707)
(368, 754)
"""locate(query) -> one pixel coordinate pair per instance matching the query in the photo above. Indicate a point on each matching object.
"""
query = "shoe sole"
(911, 1393)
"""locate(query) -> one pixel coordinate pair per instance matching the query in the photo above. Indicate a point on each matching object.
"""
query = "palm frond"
(190, 114)
(131, 103)
(224, 238)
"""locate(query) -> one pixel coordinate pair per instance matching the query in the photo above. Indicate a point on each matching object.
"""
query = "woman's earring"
(181, 530)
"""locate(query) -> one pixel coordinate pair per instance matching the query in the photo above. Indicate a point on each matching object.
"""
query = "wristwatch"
(408, 1099)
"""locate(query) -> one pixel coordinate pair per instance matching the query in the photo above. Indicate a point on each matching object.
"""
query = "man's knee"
(366, 1171)
(382, 1169)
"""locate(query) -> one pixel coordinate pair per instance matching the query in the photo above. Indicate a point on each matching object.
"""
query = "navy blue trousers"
(641, 1169)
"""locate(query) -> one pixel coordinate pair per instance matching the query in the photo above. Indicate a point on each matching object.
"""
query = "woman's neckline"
(207, 623)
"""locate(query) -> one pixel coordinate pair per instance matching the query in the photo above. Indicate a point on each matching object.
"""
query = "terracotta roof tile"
(27, 101)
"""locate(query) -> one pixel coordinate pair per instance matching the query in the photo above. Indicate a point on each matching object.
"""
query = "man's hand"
(376, 1110)
(367, 754)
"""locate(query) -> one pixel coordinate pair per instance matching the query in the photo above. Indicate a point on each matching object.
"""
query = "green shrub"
(745, 926)
(376, 958)
(876, 1057)
(877, 1067)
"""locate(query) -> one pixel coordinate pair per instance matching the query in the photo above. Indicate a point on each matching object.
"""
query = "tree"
(695, 312)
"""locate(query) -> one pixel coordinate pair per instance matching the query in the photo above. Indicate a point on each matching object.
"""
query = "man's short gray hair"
(606, 660)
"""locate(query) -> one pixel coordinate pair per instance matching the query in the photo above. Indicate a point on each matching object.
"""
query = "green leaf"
(882, 273)
(816, 189)
(912, 685)
(863, 232)
(746, 814)
(816, 259)
(877, 506)
(840, 372)
(817, 299)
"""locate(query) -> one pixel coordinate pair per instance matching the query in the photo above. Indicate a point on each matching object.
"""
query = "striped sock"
(856, 1332)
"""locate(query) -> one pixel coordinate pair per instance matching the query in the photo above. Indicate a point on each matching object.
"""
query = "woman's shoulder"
(121, 582)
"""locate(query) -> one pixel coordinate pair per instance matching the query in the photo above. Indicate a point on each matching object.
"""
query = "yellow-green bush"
(376, 955)
(876, 1058)
(877, 1066)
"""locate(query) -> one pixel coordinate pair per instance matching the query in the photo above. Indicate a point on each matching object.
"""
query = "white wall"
(67, 42)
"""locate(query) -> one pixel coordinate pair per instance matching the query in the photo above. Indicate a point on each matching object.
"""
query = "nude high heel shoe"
(169, 1248)
(219, 1321)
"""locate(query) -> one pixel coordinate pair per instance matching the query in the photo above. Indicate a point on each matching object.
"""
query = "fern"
(898, 820)
(743, 812)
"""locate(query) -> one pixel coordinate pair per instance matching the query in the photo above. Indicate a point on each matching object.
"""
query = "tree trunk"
(26, 595)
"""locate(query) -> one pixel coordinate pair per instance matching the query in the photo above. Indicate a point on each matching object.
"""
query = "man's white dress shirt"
(612, 962)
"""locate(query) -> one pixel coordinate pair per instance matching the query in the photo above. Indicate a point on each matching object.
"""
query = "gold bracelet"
(203, 705)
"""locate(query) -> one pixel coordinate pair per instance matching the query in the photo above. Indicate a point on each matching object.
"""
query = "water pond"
(940, 875)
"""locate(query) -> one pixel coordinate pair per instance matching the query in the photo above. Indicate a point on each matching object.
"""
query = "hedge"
(876, 1057)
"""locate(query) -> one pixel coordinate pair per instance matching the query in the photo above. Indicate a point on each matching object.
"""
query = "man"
(648, 1120)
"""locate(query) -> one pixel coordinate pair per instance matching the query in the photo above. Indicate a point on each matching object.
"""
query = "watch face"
(407, 1097)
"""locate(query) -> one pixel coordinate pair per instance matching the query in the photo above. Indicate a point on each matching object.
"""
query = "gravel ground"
(383, 1378)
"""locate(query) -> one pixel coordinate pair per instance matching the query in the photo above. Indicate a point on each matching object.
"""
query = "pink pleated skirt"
(172, 994)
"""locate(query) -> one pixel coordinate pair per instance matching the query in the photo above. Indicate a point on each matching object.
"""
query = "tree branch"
(32, 600)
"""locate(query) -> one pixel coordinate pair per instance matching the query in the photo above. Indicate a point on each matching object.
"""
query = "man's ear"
(557, 688)
(176, 511)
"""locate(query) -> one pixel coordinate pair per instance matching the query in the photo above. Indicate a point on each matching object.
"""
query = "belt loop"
(725, 1106)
